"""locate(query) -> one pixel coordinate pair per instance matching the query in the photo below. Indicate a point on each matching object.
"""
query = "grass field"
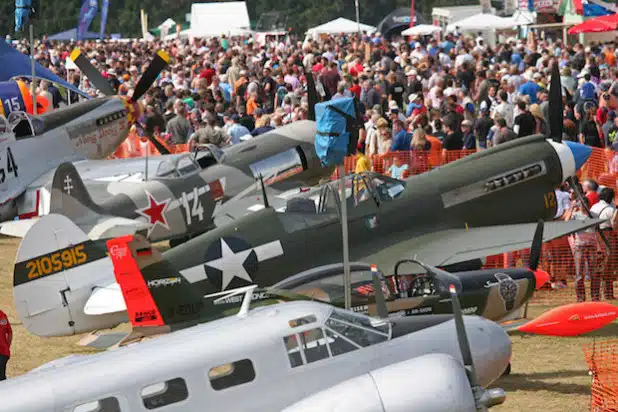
(548, 374)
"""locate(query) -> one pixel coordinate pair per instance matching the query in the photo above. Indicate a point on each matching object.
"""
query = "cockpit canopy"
(24, 125)
(358, 188)
(189, 163)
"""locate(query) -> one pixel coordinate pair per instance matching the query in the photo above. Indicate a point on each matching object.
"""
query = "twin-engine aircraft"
(304, 350)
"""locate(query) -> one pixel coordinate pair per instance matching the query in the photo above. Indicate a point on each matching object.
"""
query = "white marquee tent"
(481, 22)
(340, 25)
(421, 30)
(215, 19)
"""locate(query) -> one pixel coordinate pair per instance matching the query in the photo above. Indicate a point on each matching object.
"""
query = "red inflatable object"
(572, 320)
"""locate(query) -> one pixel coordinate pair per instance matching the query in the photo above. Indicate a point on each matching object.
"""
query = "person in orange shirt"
(610, 57)
(435, 151)
(252, 103)
(6, 338)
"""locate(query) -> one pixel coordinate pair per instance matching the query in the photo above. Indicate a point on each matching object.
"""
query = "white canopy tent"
(340, 25)
(421, 30)
(215, 19)
(481, 22)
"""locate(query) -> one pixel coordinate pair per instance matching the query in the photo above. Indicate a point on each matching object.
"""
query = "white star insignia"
(231, 264)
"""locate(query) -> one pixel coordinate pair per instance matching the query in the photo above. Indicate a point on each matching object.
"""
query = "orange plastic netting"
(602, 359)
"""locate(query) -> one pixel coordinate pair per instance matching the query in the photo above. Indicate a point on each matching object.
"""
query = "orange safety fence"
(602, 359)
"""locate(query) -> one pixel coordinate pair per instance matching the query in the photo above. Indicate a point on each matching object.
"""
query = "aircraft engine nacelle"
(436, 383)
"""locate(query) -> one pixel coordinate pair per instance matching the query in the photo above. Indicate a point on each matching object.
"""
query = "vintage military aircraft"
(300, 348)
(179, 199)
(440, 218)
(30, 145)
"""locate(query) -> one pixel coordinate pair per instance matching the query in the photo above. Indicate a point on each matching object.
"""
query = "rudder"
(155, 293)
(69, 195)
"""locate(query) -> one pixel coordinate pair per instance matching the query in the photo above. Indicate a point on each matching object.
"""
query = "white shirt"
(601, 210)
(563, 202)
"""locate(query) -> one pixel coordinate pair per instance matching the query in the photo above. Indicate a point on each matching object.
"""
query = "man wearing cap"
(179, 127)
(6, 338)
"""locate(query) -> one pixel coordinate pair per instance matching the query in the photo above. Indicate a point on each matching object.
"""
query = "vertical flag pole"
(347, 279)
(357, 16)
(33, 71)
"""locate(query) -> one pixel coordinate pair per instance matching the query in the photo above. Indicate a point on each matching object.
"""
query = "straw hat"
(536, 111)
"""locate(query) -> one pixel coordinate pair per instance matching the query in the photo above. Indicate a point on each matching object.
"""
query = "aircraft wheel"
(507, 371)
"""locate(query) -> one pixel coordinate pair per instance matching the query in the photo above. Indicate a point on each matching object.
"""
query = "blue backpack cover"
(333, 122)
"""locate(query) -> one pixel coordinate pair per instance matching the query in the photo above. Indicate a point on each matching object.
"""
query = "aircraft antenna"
(246, 302)
(264, 195)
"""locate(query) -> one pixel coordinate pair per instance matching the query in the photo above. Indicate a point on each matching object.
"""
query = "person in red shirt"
(356, 89)
(208, 73)
(6, 338)
(590, 188)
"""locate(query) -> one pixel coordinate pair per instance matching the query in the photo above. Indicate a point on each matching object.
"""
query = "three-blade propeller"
(158, 64)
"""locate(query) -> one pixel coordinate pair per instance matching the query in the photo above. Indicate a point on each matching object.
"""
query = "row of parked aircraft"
(251, 216)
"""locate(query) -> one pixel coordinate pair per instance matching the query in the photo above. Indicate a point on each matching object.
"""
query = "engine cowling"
(436, 383)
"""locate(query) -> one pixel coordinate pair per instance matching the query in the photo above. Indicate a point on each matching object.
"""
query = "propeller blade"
(580, 197)
(537, 243)
(377, 287)
(312, 95)
(556, 111)
(462, 337)
(91, 72)
(158, 145)
(572, 320)
(159, 63)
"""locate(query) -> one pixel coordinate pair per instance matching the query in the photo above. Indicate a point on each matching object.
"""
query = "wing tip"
(75, 54)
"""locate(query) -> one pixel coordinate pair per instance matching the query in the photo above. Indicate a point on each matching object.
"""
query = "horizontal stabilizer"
(103, 341)
(17, 228)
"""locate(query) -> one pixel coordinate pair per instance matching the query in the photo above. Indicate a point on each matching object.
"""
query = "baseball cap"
(235, 117)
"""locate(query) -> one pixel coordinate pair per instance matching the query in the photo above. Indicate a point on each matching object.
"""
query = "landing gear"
(507, 371)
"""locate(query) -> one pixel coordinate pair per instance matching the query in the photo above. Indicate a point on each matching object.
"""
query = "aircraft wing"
(452, 246)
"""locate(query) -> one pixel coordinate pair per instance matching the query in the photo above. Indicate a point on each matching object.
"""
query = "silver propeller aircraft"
(287, 356)
(31, 145)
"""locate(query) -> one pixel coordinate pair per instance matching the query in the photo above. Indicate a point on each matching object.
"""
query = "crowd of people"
(418, 96)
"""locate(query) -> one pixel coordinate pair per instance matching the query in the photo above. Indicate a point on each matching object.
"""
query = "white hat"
(411, 72)
(392, 104)
(413, 97)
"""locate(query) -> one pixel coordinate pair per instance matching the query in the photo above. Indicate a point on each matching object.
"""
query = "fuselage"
(265, 361)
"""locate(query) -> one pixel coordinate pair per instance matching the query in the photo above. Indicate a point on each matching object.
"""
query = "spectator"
(588, 129)
(262, 125)
(469, 140)
(362, 162)
(6, 338)
(590, 188)
(397, 170)
(179, 127)
(210, 133)
(605, 210)
(401, 139)
(524, 123)
(503, 134)
(584, 246)
(236, 131)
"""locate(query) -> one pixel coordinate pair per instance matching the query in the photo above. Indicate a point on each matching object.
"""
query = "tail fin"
(56, 269)
(155, 293)
(69, 195)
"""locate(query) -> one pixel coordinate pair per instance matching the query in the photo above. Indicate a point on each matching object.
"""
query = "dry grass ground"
(549, 374)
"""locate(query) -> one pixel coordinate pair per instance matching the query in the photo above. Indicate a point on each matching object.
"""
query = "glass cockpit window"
(305, 320)
(278, 167)
(338, 344)
(387, 188)
(186, 165)
(167, 169)
(358, 328)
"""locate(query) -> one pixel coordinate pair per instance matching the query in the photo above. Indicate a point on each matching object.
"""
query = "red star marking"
(155, 212)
